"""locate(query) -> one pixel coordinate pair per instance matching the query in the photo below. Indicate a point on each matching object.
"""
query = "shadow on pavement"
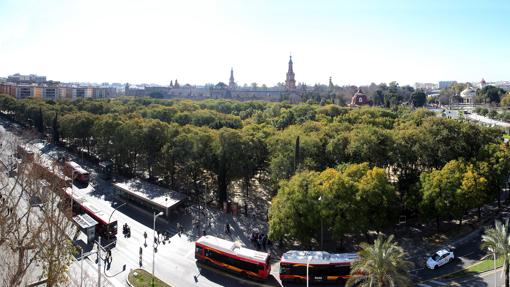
(471, 279)
(232, 279)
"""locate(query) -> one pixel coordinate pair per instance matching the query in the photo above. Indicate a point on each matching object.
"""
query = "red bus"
(104, 227)
(232, 257)
(75, 171)
(322, 266)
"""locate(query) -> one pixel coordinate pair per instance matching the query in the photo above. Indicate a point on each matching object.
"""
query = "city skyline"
(198, 42)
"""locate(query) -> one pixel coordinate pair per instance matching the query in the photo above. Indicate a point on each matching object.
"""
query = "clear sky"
(197, 42)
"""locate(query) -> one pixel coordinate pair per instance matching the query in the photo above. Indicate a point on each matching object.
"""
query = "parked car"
(440, 258)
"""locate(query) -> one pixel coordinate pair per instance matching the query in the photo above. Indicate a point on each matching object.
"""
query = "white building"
(468, 95)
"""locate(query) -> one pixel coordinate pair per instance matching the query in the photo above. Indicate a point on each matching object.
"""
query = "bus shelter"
(149, 196)
(87, 225)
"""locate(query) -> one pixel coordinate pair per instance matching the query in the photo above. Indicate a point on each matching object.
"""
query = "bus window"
(199, 250)
(284, 269)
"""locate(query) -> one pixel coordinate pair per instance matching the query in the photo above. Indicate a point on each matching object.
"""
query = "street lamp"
(109, 219)
(322, 229)
(495, 275)
(154, 244)
(307, 267)
(72, 191)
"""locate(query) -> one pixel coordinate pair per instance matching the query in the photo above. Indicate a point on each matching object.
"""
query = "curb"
(131, 284)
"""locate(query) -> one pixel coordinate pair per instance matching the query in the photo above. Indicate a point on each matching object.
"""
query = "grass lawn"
(506, 136)
(142, 278)
(480, 267)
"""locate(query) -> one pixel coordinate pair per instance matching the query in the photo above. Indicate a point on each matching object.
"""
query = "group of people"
(260, 240)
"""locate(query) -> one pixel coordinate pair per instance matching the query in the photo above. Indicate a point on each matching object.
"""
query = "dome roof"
(468, 92)
(359, 93)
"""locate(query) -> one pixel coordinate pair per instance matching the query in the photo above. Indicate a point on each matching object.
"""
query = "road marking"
(438, 282)
(423, 285)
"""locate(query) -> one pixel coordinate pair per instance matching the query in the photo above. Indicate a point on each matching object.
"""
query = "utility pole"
(99, 262)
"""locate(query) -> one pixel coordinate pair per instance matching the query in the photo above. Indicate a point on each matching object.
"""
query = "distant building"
(290, 81)
(446, 84)
(53, 91)
(231, 81)
(359, 99)
(17, 78)
(483, 83)
(468, 95)
(221, 90)
(425, 86)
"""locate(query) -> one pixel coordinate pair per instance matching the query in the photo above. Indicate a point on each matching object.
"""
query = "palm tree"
(497, 239)
(382, 264)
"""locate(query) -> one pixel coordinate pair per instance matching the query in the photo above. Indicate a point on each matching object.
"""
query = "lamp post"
(72, 192)
(109, 219)
(154, 243)
(322, 226)
(495, 275)
(307, 267)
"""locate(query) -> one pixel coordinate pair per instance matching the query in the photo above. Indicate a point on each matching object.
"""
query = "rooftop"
(233, 248)
(160, 196)
(317, 257)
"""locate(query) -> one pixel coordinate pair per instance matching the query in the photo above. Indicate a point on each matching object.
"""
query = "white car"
(440, 258)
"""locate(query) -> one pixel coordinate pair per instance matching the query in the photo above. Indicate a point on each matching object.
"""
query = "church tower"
(231, 82)
(290, 82)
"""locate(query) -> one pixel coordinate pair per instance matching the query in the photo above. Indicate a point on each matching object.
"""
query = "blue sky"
(197, 42)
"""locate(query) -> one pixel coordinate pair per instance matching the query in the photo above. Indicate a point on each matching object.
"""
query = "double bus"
(231, 256)
(104, 227)
(322, 266)
(74, 170)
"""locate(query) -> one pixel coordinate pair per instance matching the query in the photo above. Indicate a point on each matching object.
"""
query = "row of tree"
(35, 231)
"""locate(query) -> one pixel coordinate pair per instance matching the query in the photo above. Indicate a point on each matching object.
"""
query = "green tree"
(295, 212)
(382, 264)
(228, 156)
(39, 121)
(377, 198)
(369, 144)
(497, 240)
(439, 189)
(418, 98)
(56, 134)
(505, 101)
(490, 94)
(153, 138)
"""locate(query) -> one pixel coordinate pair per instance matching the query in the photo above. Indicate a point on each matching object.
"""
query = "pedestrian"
(179, 228)
(264, 241)
(141, 250)
(227, 228)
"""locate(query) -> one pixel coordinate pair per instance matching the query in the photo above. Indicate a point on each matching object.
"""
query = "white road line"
(439, 282)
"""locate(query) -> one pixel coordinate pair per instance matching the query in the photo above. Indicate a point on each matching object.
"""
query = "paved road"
(466, 252)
